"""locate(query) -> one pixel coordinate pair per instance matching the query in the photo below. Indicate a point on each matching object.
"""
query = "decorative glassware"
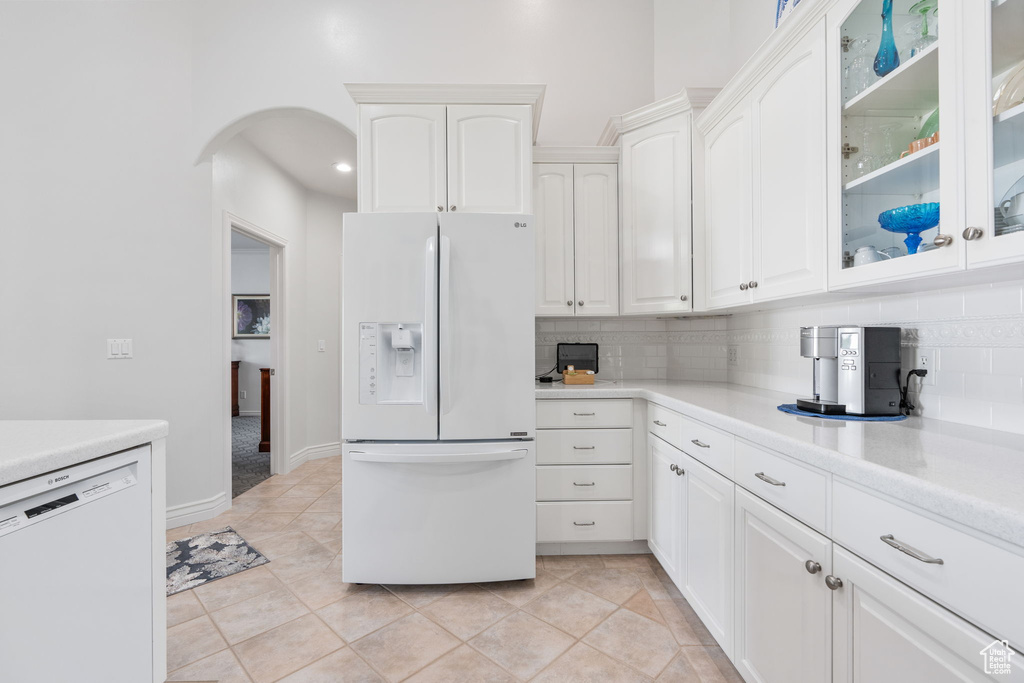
(911, 220)
(867, 161)
(889, 151)
(921, 38)
(888, 57)
(859, 75)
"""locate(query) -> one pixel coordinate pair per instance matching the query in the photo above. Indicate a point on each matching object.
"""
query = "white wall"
(974, 332)
(702, 44)
(105, 227)
(250, 274)
(323, 317)
(596, 56)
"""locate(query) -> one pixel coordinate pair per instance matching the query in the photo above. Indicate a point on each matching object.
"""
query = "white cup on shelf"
(1013, 209)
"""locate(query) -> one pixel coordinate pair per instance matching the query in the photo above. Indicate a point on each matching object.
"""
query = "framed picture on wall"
(252, 316)
(783, 8)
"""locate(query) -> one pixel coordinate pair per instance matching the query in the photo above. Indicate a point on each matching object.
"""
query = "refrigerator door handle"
(445, 323)
(439, 458)
(429, 327)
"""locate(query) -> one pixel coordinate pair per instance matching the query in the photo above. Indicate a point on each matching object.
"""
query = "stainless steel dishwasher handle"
(910, 550)
(765, 478)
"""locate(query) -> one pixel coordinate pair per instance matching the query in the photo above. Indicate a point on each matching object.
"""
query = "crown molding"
(451, 93)
(575, 155)
(655, 111)
(805, 18)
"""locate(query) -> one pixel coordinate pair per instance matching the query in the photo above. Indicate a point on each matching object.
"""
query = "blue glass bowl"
(912, 220)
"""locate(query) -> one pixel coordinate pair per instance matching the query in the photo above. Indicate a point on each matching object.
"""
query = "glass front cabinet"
(926, 142)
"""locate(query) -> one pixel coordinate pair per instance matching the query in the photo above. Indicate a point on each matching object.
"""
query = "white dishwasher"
(77, 575)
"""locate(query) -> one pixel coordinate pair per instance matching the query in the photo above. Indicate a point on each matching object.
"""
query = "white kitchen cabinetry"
(764, 165)
(884, 632)
(667, 505)
(584, 471)
(446, 148)
(655, 181)
(783, 608)
(577, 226)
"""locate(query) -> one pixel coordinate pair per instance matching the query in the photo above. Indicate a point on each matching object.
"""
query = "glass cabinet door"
(994, 99)
(896, 194)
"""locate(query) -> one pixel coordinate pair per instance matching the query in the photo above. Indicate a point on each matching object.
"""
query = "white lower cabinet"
(783, 610)
(885, 632)
(666, 493)
(706, 565)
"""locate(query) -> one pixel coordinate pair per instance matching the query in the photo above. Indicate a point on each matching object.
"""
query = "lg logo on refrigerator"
(520, 225)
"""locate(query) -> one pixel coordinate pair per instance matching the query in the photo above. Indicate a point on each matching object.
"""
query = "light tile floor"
(584, 618)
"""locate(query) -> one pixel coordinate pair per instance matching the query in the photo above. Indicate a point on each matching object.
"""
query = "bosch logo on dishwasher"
(51, 482)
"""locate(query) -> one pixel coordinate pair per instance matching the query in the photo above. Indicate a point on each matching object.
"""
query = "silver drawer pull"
(764, 477)
(584, 523)
(583, 448)
(698, 442)
(583, 414)
(660, 424)
(576, 483)
(910, 550)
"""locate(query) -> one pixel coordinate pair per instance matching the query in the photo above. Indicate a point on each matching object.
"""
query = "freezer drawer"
(438, 512)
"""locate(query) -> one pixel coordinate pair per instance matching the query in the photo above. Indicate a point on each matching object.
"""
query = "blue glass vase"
(888, 57)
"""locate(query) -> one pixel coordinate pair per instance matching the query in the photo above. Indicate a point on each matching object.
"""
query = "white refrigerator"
(438, 416)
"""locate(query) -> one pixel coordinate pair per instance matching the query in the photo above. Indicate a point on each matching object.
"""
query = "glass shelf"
(913, 87)
(913, 174)
(1008, 134)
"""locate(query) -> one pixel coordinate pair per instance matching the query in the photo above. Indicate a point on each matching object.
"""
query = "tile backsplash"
(974, 337)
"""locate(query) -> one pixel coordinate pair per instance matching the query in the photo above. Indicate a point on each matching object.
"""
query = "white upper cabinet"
(446, 147)
(490, 151)
(765, 185)
(727, 221)
(401, 157)
(596, 202)
(553, 220)
(656, 217)
(788, 123)
(576, 210)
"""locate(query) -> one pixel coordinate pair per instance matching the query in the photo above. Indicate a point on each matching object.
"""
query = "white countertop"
(29, 448)
(970, 475)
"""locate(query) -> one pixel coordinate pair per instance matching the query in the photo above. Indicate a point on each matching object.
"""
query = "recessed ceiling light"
(343, 167)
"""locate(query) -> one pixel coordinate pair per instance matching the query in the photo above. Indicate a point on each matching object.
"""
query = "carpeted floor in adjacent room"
(248, 466)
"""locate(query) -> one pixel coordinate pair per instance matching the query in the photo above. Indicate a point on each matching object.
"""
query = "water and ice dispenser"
(390, 363)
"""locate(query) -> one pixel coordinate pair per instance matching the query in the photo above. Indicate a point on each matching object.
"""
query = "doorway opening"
(255, 283)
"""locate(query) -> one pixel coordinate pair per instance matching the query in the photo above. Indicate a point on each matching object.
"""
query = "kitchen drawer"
(565, 522)
(592, 412)
(585, 482)
(976, 579)
(712, 447)
(798, 489)
(584, 446)
(665, 424)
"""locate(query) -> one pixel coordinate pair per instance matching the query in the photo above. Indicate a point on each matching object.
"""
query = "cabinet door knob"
(683, 297)
(451, 208)
(812, 567)
(743, 286)
(440, 208)
(672, 467)
(568, 303)
(833, 582)
(753, 284)
(942, 240)
(579, 303)
(971, 234)
(680, 471)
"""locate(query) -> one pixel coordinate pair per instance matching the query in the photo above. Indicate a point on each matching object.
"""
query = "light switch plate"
(321, 345)
(119, 349)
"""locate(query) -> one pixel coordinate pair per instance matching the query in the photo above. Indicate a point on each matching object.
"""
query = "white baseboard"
(248, 413)
(198, 511)
(594, 548)
(324, 450)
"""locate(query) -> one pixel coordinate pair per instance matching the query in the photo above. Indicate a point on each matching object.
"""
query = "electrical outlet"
(732, 355)
(926, 359)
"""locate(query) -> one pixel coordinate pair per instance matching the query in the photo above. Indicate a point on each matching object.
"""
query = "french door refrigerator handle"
(439, 458)
(445, 324)
(430, 326)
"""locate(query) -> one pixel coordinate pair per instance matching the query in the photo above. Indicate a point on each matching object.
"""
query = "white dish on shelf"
(1010, 93)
